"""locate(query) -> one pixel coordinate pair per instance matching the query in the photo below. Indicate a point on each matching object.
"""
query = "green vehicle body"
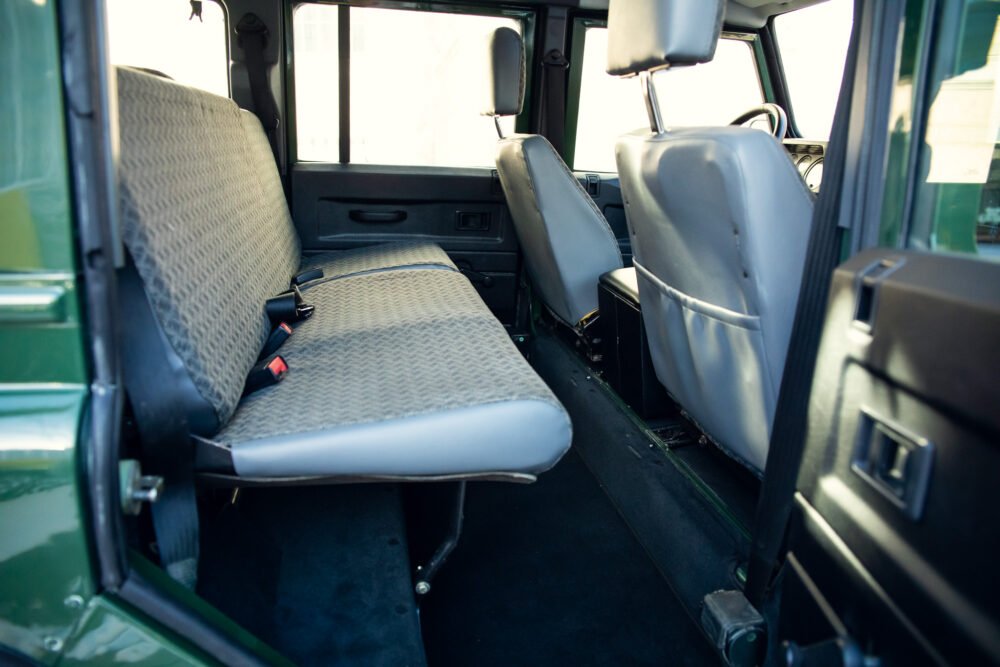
(52, 608)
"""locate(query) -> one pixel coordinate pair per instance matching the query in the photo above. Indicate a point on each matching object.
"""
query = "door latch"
(136, 488)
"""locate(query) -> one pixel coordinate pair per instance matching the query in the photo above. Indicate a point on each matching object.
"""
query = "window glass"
(813, 44)
(417, 87)
(711, 94)
(957, 208)
(317, 80)
(162, 36)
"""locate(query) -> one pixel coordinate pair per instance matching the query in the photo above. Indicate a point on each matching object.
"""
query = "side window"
(711, 94)
(161, 35)
(957, 204)
(813, 43)
(416, 86)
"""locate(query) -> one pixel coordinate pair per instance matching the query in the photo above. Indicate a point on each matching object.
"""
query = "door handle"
(895, 462)
(359, 215)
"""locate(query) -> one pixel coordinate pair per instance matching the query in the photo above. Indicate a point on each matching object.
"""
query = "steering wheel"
(779, 119)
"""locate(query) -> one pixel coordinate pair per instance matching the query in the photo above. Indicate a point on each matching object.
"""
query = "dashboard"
(807, 156)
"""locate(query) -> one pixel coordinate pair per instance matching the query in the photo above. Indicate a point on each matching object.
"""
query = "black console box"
(628, 367)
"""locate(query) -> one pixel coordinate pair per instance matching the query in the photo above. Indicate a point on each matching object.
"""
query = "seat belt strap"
(554, 74)
(555, 66)
(252, 36)
(788, 438)
(162, 426)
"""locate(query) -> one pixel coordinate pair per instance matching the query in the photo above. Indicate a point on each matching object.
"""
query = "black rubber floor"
(321, 574)
(549, 574)
(689, 537)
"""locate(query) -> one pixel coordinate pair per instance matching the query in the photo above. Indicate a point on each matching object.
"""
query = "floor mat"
(735, 485)
(321, 574)
(696, 544)
(549, 574)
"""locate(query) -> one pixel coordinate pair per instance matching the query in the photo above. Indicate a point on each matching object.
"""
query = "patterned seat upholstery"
(403, 373)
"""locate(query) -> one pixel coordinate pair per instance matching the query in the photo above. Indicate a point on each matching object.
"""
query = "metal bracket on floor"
(425, 573)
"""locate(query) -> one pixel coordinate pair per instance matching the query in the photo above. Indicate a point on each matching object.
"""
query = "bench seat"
(402, 372)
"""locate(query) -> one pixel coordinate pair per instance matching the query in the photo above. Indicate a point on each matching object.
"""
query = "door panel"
(463, 210)
(894, 516)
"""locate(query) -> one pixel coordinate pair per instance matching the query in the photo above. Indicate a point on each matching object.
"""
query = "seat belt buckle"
(281, 333)
(306, 276)
(303, 310)
(288, 307)
(267, 373)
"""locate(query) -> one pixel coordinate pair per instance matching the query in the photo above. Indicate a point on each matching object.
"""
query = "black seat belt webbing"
(252, 36)
(788, 438)
(164, 436)
(555, 68)
(552, 86)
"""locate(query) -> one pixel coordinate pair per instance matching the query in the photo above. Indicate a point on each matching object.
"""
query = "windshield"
(813, 45)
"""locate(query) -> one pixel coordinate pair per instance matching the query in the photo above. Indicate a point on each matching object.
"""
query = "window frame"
(578, 32)
(528, 19)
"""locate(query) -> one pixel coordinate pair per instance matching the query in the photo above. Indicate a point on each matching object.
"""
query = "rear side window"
(711, 94)
(416, 89)
(162, 35)
(957, 204)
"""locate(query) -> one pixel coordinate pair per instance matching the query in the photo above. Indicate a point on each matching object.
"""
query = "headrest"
(505, 78)
(646, 35)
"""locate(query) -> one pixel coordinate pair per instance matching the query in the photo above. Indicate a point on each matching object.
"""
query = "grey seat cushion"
(201, 228)
(206, 221)
(401, 373)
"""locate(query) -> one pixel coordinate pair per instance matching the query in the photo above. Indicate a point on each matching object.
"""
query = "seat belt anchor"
(136, 488)
(555, 58)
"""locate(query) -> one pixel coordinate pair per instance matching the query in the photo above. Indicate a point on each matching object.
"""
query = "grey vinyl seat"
(402, 373)
(567, 243)
(720, 221)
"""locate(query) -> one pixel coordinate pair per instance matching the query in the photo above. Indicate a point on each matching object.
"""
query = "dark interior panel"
(462, 210)
(902, 453)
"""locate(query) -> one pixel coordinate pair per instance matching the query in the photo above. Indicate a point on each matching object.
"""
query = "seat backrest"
(720, 221)
(567, 243)
(205, 221)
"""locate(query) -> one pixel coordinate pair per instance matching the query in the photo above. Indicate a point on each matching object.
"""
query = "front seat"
(567, 243)
(719, 220)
